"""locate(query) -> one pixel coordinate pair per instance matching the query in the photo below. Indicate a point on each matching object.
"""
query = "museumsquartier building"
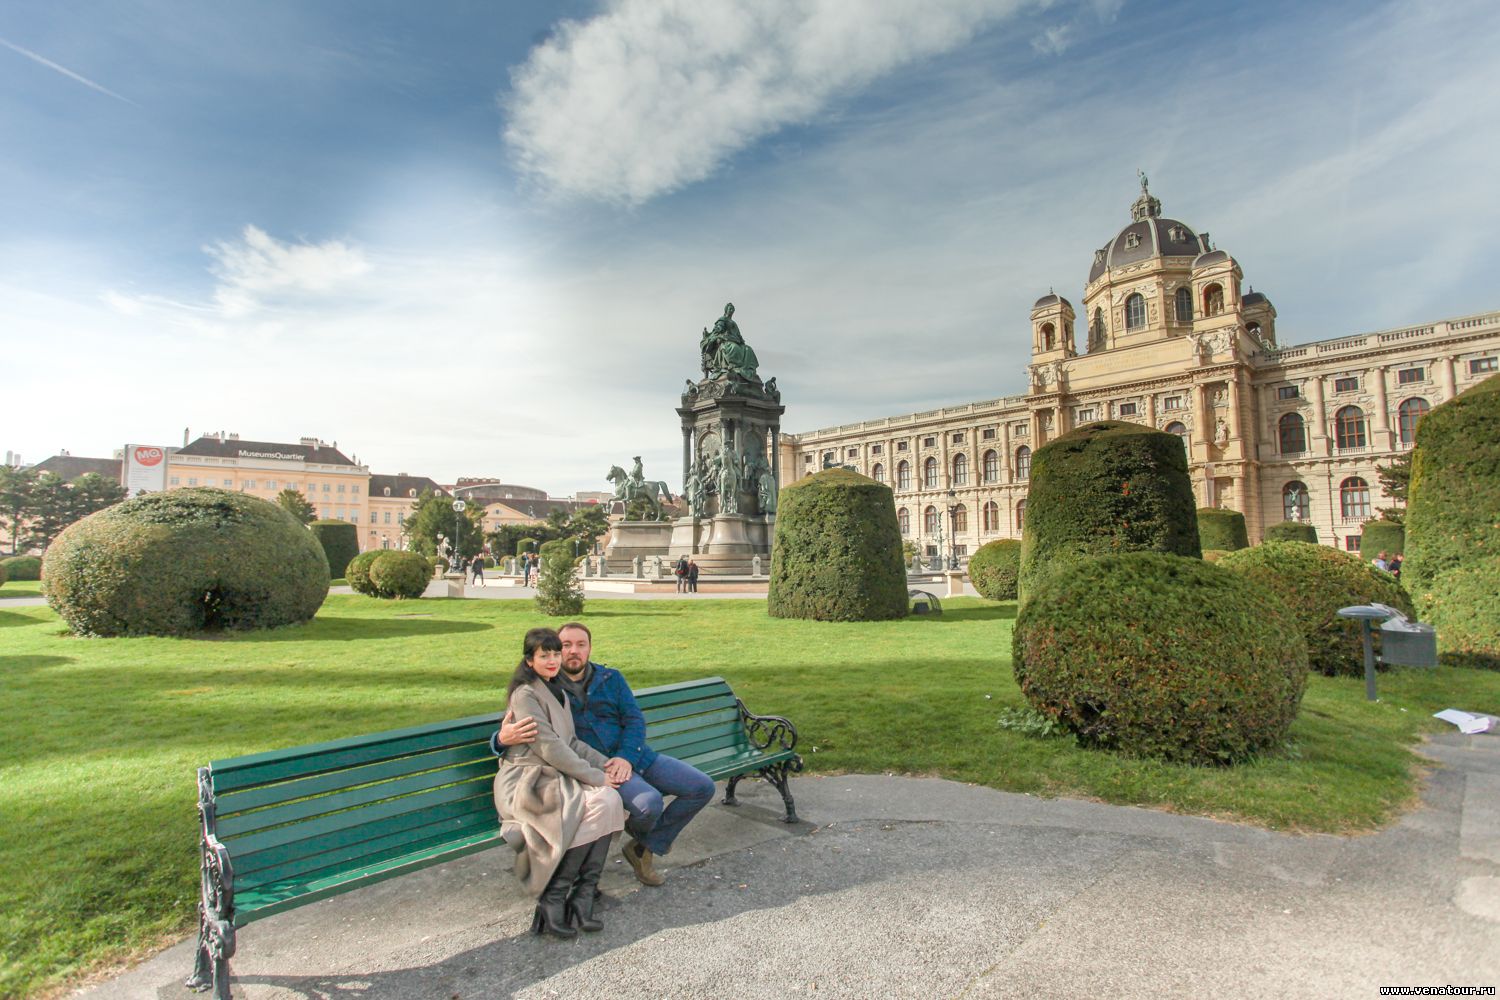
(1168, 337)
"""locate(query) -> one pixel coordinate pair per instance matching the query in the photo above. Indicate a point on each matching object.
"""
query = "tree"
(92, 492)
(1395, 480)
(434, 516)
(504, 539)
(56, 503)
(293, 502)
(17, 488)
(587, 524)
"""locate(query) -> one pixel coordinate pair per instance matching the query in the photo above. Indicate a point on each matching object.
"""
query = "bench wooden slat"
(661, 730)
(297, 788)
(681, 691)
(727, 764)
(684, 710)
(683, 745)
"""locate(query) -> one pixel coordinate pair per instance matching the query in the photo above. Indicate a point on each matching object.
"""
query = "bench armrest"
(768, 731)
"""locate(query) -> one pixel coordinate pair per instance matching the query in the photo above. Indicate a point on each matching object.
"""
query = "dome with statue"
(1149, 235)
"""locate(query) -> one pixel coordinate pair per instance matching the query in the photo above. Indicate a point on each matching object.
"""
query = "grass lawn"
(21, 588)
(99, 739)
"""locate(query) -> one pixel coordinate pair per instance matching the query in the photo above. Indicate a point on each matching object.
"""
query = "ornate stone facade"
(1171, 340)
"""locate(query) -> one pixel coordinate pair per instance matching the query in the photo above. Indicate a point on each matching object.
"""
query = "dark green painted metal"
(661, 730)
(286, 791)
(684, 745)
(666, 691)
(363, 817)
(683, 710)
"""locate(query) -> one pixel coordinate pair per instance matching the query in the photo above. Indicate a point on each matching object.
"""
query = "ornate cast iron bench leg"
(779, 776)
(770, 733)
(729, 799)
(215, 903)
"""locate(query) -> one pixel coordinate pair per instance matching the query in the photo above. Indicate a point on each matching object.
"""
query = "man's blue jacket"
(610, 721)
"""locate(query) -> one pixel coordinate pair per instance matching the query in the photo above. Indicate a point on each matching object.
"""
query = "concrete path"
(909, 887)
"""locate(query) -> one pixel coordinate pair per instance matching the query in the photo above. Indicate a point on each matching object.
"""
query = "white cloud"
(259, 270)
(652, 95)
(1054, 41)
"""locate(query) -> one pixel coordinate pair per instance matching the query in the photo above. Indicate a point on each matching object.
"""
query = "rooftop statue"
(725, 351)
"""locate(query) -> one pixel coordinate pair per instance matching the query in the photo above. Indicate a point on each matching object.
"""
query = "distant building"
(391, 500)
(70, 467)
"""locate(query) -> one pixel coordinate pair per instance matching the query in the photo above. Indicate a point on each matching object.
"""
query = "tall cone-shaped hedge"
(1104, 488)
(340, 541)
(1453, 523)
(837, 553)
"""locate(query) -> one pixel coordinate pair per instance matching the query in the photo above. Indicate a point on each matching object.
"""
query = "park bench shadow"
(17, 664)
(327, 628)
(9, 618)
(989, 612)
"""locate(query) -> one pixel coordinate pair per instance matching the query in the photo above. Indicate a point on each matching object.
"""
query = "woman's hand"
(618, 771)
(514, 732)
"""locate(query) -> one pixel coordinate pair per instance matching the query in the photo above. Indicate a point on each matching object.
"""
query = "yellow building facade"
(1169, 337)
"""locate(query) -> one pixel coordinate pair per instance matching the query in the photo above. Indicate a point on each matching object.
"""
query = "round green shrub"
(558, 591)
(1222, 529)
(837, 552)
(1160, 656)
(182, 561)
(357, 573)
(1382, 536)
(1214, 555)
(1292, 531)
(22, 567)
(340, 541)
(524, 545)
(1463, 600)
(1315, 581)
(995, 569)
(1107, 487)
(396, 575)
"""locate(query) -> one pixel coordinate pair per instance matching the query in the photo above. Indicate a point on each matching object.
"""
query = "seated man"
(607, 718)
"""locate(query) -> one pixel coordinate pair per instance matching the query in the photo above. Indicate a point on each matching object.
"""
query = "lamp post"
(939, 545)
(458, 510)
(952, 529)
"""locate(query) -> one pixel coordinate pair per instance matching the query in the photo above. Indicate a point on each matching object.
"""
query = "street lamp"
(952, 529)
(458, 510)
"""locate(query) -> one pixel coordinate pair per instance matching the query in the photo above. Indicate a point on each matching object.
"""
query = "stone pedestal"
(631, 539)
(729, 534)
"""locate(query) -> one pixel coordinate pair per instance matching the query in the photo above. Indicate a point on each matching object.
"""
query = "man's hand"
(618, 771)
(514, 732)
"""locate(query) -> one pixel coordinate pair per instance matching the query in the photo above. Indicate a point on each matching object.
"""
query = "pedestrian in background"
(692, 576)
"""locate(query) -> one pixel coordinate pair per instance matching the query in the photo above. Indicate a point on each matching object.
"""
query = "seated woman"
(556, 805)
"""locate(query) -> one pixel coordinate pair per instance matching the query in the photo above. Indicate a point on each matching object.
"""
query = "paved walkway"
(910, 887)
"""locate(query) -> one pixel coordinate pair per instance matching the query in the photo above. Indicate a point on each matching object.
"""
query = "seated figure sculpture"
(725, 351)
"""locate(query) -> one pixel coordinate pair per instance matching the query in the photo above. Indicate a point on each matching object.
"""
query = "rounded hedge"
(837, 551)
(357, 573)
(1463, 601)
(1161, 656)
(995, 569)
(397, 575)
(1222, 529)
(1315, 581)
(1382, 536)
(182, 561)
(1292, 531)
(340, 541)
(22, 567)
(1104, 488)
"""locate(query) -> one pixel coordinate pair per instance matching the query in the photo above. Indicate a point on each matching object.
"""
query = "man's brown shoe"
(640, 858)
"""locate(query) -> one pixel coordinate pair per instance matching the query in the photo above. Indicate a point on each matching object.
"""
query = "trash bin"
(1405, 643)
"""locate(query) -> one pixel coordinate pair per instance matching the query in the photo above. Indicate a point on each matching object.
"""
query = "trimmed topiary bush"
(1222, 529)
(1292, 531)
(1382, 536)
(837, 552)
(340, 541)
(1107, 487)
(22, 567)
(995, 569)
(357, 573)
(182, 561)
(1463, 601)
(398, 575)
(1315, 581)
(1161, 656)
(558, 591)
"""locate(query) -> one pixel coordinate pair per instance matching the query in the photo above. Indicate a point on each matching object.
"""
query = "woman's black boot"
(552, 906)
(586, 890)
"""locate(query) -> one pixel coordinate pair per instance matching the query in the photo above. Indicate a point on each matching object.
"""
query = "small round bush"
(837, 552)
(1107, 487)
(184, 560)
(399, 575)
(357, 573)
(1222, 529)
(1463, 602)
(1315, 581)
(995, 569)
(22, 567)
(1161, 656)
(1292, 531)
(340, 541)
(1382, 536)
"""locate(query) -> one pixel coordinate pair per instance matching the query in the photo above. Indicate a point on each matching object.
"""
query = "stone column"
(1446, 379)
(1381, 438)
(687, 454)
(1319, 443)
(776, 456)
(1236, 428)
(1202, 423)
(1005, 446)
(1151, 409)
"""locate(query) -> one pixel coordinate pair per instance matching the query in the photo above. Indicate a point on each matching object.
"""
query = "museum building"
(1172, 339)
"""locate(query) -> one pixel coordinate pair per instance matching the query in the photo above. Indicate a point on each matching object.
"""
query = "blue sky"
(482, 238)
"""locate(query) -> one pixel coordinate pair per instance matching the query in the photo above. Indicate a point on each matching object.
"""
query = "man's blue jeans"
(648, 822)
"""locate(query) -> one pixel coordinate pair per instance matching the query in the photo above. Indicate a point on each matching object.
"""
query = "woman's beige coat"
(539, 789)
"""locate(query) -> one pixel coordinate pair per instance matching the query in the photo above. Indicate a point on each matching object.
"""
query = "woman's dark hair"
(537, 638)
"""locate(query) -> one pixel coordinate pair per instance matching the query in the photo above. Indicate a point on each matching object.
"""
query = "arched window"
(1049, 336)
(960, 470)
(387, 491)
(1096, 330)
(1349, 427)
(930, 474)
(960, 519)
(1021, 514)
(991, 466)
(930, 521)
(1295, 505)
(1354, 498)
(903, 475)
(1135, 312)
(1213, 299)
(1180, 429)
(904, 520)
(1023, 462)
(878, 473)
(1292, 433)
(991, 516)
(1184, 304)
(1407, 415)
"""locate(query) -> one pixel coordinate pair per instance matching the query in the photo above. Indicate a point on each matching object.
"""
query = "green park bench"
(288, 827)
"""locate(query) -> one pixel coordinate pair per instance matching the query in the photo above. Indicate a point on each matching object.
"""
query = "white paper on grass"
(1467, 722)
